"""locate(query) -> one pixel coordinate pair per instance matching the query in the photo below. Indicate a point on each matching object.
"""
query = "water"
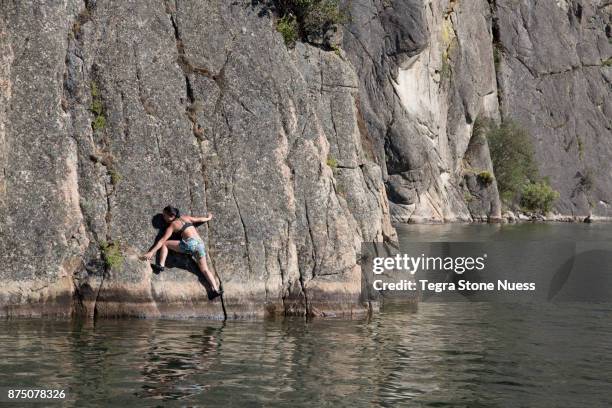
(561, 231)
(436, 354)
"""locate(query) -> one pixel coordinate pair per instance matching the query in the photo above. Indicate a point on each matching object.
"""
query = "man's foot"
(214, 294)
(157, 268)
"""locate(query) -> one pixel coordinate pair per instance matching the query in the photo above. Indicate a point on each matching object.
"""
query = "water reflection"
(562, 231)
(171, 359)
(439, 354)
(460, 354)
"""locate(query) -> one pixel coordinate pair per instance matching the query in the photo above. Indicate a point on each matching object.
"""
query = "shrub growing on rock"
(307, 19)
(538, 196)
(485, 177)
(517, 175)
(288, 27)
(513, 160)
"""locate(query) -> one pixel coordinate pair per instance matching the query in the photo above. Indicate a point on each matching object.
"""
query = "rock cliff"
(111, 110)
(554, 76)
(426, 73)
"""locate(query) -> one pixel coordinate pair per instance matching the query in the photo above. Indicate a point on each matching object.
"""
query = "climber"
(190, 244)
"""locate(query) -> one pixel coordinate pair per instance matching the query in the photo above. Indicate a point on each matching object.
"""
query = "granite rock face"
(110, 111)
(430, 69)
(426, 73)
(555, 79)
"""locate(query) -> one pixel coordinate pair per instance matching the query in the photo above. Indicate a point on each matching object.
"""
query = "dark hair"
(173, 211)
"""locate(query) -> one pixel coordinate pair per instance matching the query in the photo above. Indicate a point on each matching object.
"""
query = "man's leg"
(163, 254)
(207, 273)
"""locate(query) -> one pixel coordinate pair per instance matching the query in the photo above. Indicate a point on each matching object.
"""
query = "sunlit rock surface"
(111, 110)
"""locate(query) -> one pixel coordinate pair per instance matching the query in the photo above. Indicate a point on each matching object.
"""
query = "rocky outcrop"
(111, 110)
(426, 74)
(555, 72)
(430, 69)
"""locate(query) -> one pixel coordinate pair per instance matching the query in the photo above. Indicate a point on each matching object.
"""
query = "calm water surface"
(439, 354)
(561, 231)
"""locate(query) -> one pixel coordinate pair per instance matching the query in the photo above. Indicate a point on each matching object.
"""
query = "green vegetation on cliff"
(288, 27)
(307, 19)
(538, 196)
(111, 254)
(332, 162)
(512, 155)
(97, 108)
(485, 177)
(516, 172)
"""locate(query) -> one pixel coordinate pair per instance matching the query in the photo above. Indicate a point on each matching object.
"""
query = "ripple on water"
(462, 354)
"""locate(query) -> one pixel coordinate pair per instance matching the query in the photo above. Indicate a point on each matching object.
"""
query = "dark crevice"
(191, 111)
(95, 302)
(246, 237)
(306, 304)
(79, 308)
(284, 292)
(70, 100)
(126, 124)
(497, 52)
(312, 241)
(267, 279)
(189, 89)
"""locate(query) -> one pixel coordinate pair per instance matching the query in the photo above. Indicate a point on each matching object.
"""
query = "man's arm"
(159, 244)
(201, 219)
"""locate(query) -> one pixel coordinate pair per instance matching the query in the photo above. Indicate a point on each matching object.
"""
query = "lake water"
(437, 354)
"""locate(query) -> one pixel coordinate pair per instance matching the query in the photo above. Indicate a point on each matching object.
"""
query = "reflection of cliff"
(110, 111)
(166, 369)
(446, 354)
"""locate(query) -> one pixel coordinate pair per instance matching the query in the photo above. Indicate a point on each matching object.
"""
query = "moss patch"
(332, 162)
(115, 176)
(111, 254)
(97, 108)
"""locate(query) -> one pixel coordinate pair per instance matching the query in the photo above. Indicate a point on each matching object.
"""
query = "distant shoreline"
(569, 219)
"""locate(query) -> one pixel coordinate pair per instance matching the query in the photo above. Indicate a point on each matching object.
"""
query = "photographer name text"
(461, 285)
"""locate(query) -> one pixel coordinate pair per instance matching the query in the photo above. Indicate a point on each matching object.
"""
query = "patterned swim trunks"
(193, 246)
